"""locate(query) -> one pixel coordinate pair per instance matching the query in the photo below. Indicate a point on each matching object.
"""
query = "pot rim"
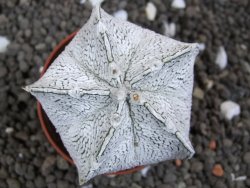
(41, 118)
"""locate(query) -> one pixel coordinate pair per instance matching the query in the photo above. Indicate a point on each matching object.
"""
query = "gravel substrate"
(222, 146)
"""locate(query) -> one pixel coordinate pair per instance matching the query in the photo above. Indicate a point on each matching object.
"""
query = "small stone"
(22, 136)
(3, 72)
(144, 171)
(61, 163)
(52, 185)
(13, 183)
(88, 186)
(40, 182)
(82, 1)
(41, 69)
(198, 93)
(137, 177)
(218, 170)
(48, 165)
(19, 169)
(181, 185)
(40, 46)
(201, 46)
(50, 178)
(121, 14)
(209, 84)
(24, 2)
(221, 58)
(246, 158)
(30, 184)
(229, 109)
(178, 162)
(150, 181)
(23, 96)
(169, 177)
(24, 67)
(169, 29)
(62, 184)
(178, 4)
(196, 167)
(27, 33)
(9, 130)
(4, 42)
(30, 173)
(134, 185)
(23, 23)
(164, 186)
(212, 145)
(151, 11)
(220, 184)
(3, 173)
(3, 19)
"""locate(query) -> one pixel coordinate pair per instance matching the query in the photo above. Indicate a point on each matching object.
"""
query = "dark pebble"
(169, 177)
(196, 166)
(13, 183)
(62, 184)
(61, 163)
(30, 184)
(52, 185)
(246, 157)
(3, 72)
(20, 168)
(40, 182)
(3, 173)
(48, 165)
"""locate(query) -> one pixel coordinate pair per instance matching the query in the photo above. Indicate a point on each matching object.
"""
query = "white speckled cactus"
(119, 96)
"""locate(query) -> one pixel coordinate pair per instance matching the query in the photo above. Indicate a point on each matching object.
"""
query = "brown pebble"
(178, 162)
(218, 170)
(212, 145)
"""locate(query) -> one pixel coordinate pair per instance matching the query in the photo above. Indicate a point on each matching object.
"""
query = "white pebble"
(169, 29)
(82, 1)
(41, 69)
(4, 42)
(221, 58)
(201, 46)
(209, 84)
(20, 155)
(151, 11)
(178, 4)
(121, 14)
(9, 130)
(87, 186)
(239, 178)
(144, 171)
(229, 109)
(198, 93)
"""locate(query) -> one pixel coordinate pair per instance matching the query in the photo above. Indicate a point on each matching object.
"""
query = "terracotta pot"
(48, 128)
